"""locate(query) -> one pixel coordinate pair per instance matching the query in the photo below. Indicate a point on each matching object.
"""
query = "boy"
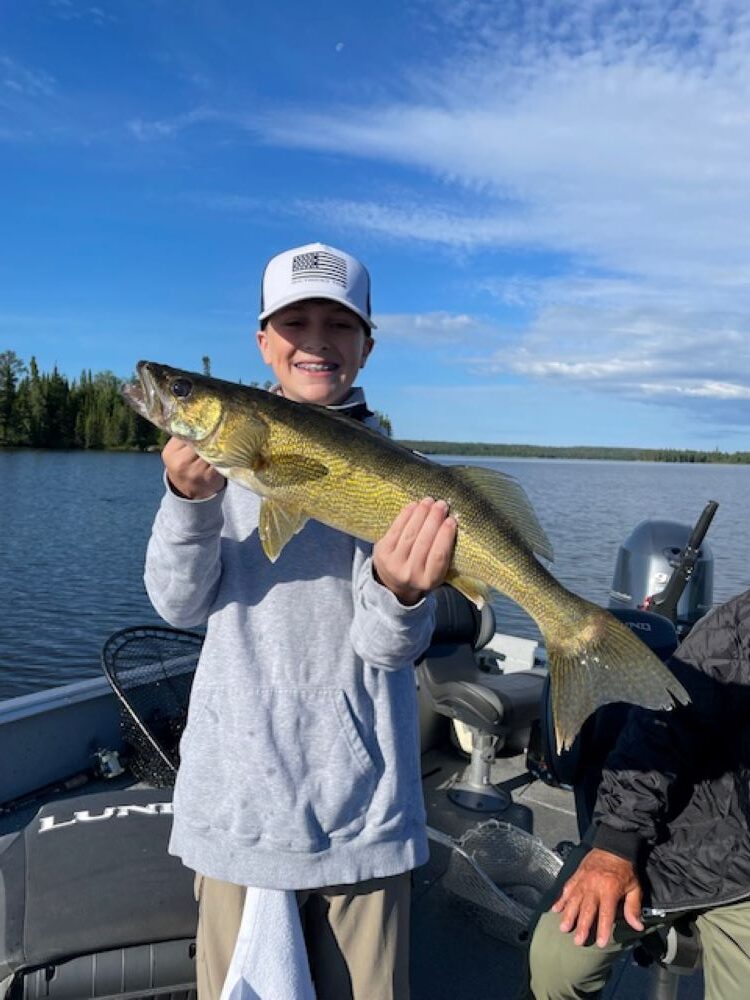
(300, 759)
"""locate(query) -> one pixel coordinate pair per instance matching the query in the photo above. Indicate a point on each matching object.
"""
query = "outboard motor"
(668, 568)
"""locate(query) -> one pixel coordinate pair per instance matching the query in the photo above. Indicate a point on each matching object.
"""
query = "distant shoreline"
(475, 449)
(675, 455)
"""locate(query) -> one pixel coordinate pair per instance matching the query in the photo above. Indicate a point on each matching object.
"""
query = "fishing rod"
(665, 602)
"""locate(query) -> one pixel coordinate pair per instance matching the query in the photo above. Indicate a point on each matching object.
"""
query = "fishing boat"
(92, 905)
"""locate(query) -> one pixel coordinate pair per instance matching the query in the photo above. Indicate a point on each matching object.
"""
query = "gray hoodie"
(300, 758)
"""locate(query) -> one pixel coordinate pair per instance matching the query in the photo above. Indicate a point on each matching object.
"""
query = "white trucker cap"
(315, 271)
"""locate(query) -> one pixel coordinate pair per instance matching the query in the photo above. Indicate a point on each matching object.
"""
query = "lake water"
(74, 528)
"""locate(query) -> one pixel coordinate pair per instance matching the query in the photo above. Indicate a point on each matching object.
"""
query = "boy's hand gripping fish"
(309, 462)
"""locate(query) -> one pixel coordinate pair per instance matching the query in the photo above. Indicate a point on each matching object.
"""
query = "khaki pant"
(357, 937)
(563, 970)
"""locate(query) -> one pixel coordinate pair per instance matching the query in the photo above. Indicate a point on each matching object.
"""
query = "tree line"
(477, 449)
(46, 410)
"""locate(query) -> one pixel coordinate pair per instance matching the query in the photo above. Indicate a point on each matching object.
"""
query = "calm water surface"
(74, 528)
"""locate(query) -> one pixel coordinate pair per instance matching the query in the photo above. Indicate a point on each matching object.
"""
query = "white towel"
(270, 959)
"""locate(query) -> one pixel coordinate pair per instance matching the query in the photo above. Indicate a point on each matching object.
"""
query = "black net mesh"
(151, 670)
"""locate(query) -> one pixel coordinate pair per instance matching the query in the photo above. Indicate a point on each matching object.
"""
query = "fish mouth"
(144, 395)
(136, 397)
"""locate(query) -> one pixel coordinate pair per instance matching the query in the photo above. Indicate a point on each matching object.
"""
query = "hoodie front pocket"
(282, 767)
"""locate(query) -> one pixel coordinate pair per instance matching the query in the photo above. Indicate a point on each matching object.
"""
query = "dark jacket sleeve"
(658, 753)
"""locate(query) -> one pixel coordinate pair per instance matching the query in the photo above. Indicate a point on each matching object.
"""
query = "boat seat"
(494, 705)
(91, 903)
(151, 669)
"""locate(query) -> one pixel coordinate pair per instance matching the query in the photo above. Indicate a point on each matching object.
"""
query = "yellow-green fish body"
(310, 462)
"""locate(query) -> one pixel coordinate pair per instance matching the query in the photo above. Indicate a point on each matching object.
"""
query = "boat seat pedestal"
(492, 705)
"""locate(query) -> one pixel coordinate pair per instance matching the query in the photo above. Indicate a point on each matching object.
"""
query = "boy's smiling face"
(315, 348)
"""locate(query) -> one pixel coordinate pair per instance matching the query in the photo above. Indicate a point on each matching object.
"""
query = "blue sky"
(553, 199)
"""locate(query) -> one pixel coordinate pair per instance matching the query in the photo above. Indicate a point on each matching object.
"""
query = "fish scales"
(365, 489)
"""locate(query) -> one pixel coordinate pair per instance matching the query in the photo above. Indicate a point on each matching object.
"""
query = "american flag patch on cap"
(319, 264)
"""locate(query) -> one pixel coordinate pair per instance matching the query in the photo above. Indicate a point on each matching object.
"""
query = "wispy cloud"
(434, 224)
(68, 10)
(430, 329)
(26, 95)
(711, 390)
(25, 81)
(147, 130)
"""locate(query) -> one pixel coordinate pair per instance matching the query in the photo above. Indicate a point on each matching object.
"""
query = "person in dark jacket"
(671, 830)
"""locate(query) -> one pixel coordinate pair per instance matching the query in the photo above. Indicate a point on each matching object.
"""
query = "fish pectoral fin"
(284, 470)
(476, 591)
(509, 499)
(277, 524)
(240, 450)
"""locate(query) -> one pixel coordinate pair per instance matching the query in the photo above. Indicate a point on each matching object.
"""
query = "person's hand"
(414, 554)
(593, 893)
(188, 473)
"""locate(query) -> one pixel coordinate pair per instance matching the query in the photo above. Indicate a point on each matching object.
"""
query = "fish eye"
(181, 387)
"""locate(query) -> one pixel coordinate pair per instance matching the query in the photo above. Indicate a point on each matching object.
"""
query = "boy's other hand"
(190, 476)
(413, 556)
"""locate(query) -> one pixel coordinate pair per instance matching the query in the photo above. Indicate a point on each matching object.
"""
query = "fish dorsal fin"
(509, 498)
(277, 524)
(278, 471)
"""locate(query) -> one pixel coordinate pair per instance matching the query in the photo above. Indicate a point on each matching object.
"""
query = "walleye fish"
(306, 461)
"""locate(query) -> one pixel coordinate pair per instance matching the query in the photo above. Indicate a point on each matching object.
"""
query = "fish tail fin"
(599, 661)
